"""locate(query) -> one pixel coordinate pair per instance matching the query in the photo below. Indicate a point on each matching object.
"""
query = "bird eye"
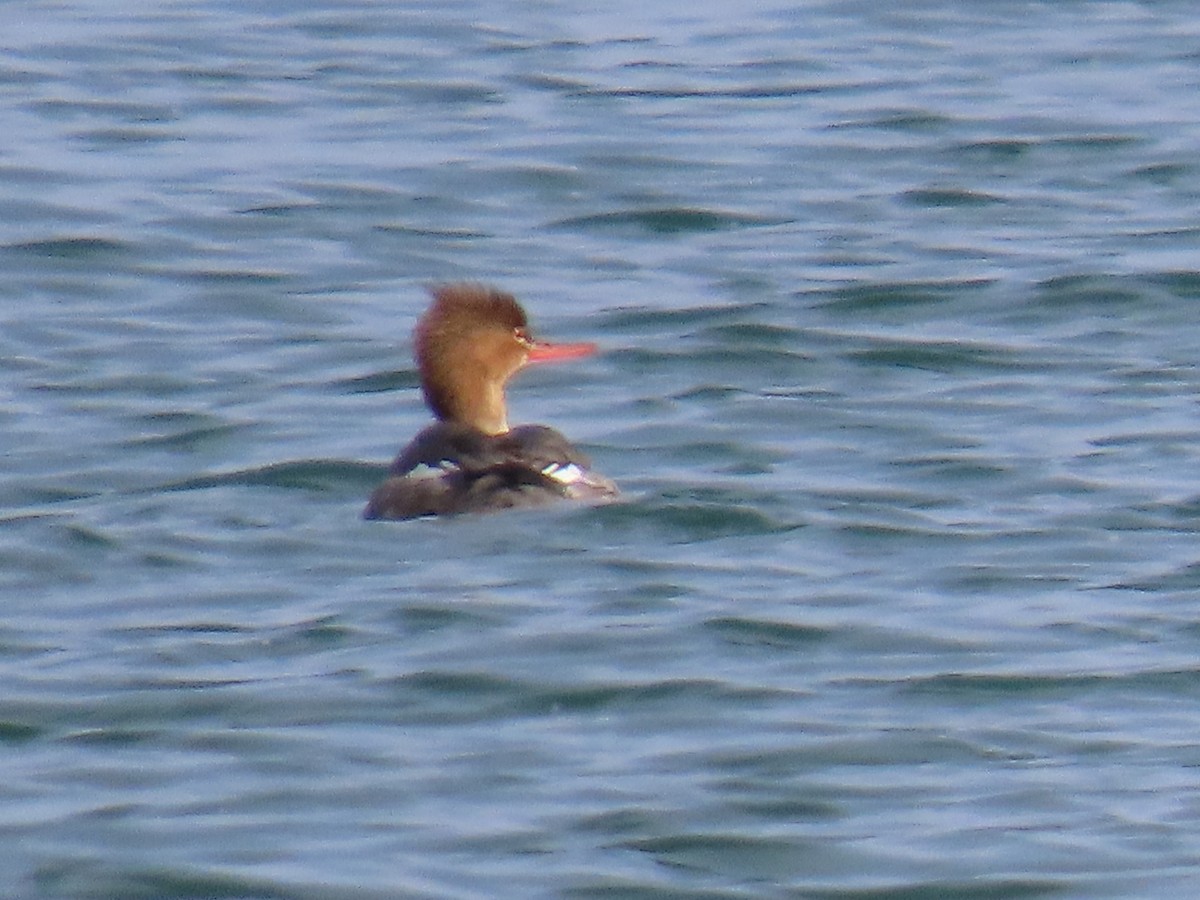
(522, 336)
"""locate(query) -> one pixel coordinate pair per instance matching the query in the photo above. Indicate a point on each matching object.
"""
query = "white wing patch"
(563, 473)
(424, 470)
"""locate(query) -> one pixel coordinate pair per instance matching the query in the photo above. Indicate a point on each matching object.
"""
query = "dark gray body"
(450, 469)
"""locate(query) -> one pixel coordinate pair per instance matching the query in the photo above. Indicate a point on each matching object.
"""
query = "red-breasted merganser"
(468, 344)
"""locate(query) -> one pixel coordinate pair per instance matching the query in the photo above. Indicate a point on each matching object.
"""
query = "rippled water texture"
(898, 310)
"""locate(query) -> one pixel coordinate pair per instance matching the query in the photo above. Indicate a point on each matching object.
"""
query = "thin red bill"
(542, 352)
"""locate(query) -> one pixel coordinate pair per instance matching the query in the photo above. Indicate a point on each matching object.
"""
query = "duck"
(471, 340)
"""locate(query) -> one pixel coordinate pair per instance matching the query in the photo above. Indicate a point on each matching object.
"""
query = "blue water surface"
(897, 306)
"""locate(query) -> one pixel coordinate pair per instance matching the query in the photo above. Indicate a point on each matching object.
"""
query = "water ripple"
(677, 220)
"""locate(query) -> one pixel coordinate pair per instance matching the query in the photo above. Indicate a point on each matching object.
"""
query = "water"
(899, 378)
